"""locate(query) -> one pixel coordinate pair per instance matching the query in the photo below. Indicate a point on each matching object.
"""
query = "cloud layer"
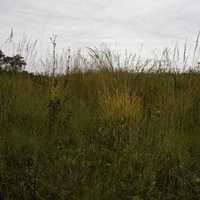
(125, 24)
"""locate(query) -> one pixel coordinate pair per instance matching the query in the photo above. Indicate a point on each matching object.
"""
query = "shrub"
(13, 63)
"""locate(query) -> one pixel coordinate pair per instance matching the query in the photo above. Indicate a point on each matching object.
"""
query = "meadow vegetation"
(100, 133)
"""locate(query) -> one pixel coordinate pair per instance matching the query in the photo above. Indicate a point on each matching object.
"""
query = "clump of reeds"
(119, 113)
(120, 105)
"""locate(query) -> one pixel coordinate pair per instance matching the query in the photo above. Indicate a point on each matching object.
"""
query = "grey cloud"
(92, 21)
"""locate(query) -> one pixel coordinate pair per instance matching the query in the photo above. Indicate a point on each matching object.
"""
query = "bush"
(13, 63)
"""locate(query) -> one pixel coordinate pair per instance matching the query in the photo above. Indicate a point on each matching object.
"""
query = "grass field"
(100, 135)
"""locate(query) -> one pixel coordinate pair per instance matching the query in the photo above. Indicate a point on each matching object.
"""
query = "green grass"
(100, 135)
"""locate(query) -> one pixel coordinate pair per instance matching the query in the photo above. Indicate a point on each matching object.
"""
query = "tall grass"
(102, 132)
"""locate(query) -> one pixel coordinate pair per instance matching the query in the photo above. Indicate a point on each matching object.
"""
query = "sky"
(126, 24)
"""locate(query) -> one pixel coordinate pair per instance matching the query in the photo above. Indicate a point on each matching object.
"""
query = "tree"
(2, 56)
(13, 63)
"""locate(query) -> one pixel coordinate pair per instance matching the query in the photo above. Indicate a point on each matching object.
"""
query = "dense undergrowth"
(100, 135)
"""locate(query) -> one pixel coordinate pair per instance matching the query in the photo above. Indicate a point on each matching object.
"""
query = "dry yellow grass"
(119, 105)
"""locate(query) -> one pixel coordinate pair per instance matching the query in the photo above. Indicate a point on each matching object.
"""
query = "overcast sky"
(125, 24)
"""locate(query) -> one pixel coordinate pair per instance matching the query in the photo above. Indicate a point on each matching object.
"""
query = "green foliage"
(14, 63)
(99, 136)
